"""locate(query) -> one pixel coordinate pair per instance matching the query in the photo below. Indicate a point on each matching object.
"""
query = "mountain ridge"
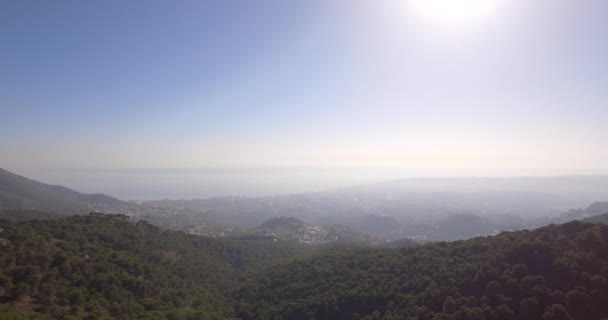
(19, 192)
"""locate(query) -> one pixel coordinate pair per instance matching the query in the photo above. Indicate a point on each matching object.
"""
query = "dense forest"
(109, 267)
(556, 272)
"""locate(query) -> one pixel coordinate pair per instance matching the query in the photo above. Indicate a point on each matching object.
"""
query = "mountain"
(556, 272)
(406, 208)
(601, 218)
(592, 210)
(17, 192)
(435, 209)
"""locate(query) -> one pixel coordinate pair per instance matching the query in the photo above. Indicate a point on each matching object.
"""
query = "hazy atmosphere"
(381, 89)
(304, 159)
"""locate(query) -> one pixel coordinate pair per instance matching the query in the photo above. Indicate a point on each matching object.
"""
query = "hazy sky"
(310, 83)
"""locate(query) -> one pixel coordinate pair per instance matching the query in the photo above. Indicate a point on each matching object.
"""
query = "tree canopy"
(109, 267)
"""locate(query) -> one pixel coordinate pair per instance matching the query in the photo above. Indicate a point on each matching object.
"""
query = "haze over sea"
(203, 182)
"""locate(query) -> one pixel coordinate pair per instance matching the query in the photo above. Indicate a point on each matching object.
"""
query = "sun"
(454, 11)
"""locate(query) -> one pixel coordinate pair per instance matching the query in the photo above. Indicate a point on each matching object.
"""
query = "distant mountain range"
(601, 218)
(17, 192)
(595, 209)
(432, 209)
(111, 266)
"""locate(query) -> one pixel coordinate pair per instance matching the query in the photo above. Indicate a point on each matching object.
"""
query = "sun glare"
(454, 11)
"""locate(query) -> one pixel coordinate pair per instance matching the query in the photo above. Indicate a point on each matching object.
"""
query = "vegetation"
(108, 267)
(557, 272)
(24, 215)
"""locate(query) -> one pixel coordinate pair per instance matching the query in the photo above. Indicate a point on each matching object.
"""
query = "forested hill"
(556, 272)
(108, 267)
(20, 192)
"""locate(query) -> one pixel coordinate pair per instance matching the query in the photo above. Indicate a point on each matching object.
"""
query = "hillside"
(106, 267)
(25, 214)
(421, 209)
(596, 208)
(17, 192)
(556, 272)
(601, 218)
(408, 208)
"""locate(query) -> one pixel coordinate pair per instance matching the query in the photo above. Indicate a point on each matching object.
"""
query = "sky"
(351, 84)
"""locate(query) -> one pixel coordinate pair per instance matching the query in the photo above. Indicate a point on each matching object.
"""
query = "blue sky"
(345, 83)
